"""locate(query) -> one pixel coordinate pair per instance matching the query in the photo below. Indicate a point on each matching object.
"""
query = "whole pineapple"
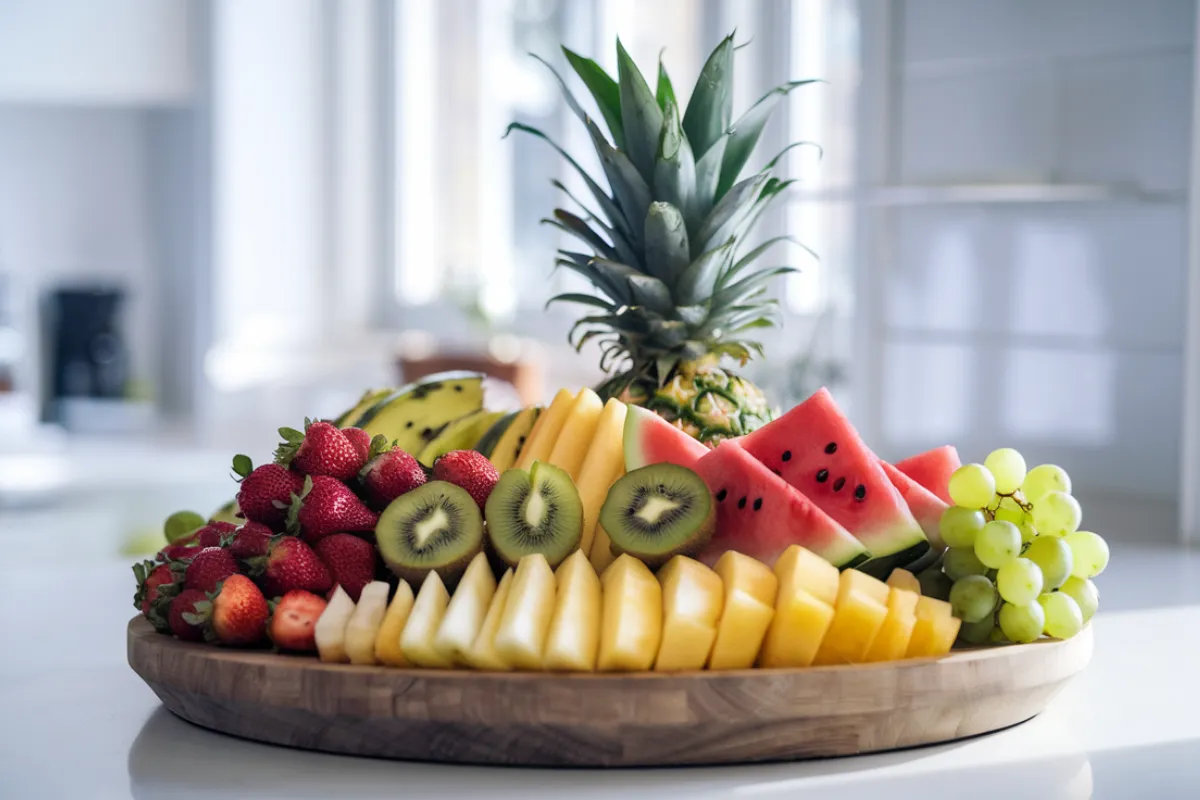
(668, 250)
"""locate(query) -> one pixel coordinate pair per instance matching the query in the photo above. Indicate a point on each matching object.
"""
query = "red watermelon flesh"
(926, 507)
(759, 515)
(932, 469)
(650, 439)
(815, 449)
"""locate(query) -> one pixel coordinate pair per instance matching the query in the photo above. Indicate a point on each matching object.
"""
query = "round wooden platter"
(635, 719)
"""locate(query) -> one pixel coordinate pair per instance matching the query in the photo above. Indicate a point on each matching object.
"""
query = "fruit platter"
(661, 569)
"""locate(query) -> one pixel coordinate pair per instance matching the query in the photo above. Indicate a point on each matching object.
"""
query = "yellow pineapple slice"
(330, 630)
(692, 596)
(467, 609)
(416, 640)
(571, 446)
(903, 579)
(861, 608)
(546, 430)
(891, 642)
(363, 626)
(521, 637)
(808, 587)
(387, 641)
(482, 653)
(631, 621)
(601, 554)
(749, 605)
(935, 629)
(574, 635)
(605, 461)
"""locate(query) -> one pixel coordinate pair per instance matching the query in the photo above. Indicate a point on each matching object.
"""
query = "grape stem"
(990, 513)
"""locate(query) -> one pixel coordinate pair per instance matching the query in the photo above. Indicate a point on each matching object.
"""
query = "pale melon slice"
(330, 630)
(571, 446)
(465, 614)
(482, 652)
(387, 641)
(631, 620)
(521, 637)
(416, 641)
(546, 430)
(363, 627)
(574, 634)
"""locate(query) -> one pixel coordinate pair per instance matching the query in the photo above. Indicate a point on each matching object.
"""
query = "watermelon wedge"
(815, 449)
(926, 507)
(759, 515)
(932, 469)
(650, 439)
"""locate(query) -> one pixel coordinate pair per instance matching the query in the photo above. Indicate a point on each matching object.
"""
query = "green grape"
(960, 562)
(1019, 581)
(1007, 509)
(1063, 617)
(1007, 467)
(1054, 559)
(972, 486)
(959, 525)
(977, 632)
(998, 543)
(1090, 552)
(972, 598)
(1028, 531)
(997, 636)
(934, 583)
(181, 524)
(1045, 478)
(1057, 514)
(1022, 623)
(1085, 595)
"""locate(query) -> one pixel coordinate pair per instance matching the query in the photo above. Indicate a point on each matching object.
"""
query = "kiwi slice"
(538, 511)
(434, 528)
(658, 511)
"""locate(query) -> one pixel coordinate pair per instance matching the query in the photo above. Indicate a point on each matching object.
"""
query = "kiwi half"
(658, 511)
(434, 528)
(538, 511)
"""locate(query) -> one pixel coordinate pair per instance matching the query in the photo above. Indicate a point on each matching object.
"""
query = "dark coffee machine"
(88, 354)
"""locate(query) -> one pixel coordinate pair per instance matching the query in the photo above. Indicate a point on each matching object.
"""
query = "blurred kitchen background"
(219, 216)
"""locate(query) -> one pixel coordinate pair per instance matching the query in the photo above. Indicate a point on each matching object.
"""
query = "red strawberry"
(470, 470)
(294, 620)
(290, 564)
(327, 506)
(239, 612)
(213, 533)
(351, 561)
(155, 582)
(322, 449)
(361, 441)
(389, 475)
(250, 540)
(190, 604)
(266, 492)
(208, 568)
(179, 552)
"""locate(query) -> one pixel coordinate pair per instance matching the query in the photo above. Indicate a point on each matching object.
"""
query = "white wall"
(1055, 327)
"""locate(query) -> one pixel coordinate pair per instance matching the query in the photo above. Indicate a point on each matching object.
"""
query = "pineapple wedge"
(571, 446)
(601, 554)
(546, 430)
(808, 586)
(574, 633)
(468, 607)
(605, 461)
(631, 621)
(749, 605)
(935, 630)
(363, 627)
(903, 579)
(387, 641)
(521, 637)
(692, 596)
(861, 608)
(891, 642)
(482, 653)
(330, 631)
(416, 640)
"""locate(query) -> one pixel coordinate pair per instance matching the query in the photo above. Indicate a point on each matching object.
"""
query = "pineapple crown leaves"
(668, 240)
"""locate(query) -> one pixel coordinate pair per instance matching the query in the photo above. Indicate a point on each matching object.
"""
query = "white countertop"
(78, 723)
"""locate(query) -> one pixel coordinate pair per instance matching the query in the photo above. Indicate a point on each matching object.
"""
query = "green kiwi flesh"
(538, 511)
(434, 528)
(658, 511)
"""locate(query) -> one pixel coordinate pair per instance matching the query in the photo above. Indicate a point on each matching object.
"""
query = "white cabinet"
(99, 52)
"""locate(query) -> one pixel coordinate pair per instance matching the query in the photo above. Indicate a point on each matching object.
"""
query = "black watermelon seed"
(860, 492)
(742, 503)
(408, 424)
(838, 484)
(787, 455)
(831, 448)
(758, 504)
(721, 496)
(822, 475)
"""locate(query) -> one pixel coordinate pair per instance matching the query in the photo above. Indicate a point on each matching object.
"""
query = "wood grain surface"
(608, 719)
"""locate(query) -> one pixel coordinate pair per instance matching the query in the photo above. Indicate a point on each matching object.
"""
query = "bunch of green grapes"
(1017, 566)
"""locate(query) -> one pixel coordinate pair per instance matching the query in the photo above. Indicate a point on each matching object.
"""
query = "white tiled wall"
(1056, 327)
